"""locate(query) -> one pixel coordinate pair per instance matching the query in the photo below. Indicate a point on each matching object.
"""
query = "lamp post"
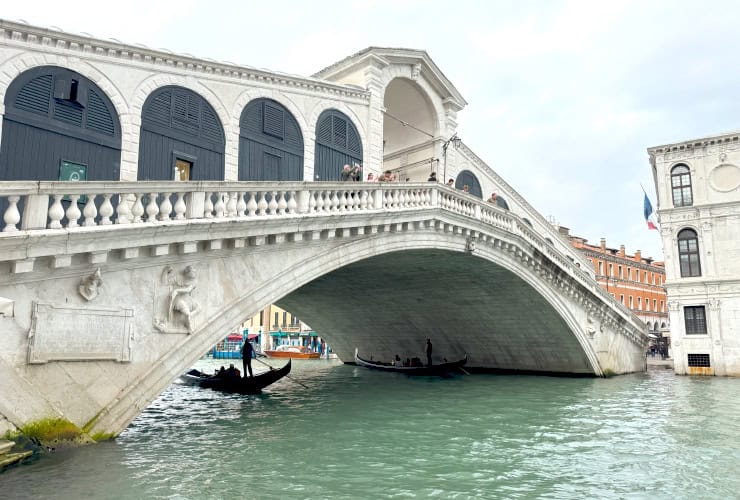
(455, 140)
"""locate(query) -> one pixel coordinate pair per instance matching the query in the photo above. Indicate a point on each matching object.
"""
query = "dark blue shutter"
(98, 116)
(337, 144)
(273, 122)
(35, 95)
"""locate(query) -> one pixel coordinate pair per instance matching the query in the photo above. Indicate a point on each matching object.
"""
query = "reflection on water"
(363, 434)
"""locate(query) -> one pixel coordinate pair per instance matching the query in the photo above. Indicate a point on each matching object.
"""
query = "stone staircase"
(7, 458)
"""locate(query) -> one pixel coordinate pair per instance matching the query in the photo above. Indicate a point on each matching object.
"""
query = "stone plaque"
(66, 333)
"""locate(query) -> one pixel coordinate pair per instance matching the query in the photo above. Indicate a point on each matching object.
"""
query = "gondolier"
(428, 350)
(247, 353)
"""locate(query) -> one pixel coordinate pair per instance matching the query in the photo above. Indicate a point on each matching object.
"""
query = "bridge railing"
(57, 205)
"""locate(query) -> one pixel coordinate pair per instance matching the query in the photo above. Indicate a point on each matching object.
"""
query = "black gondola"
(440, 369)
(238, 385)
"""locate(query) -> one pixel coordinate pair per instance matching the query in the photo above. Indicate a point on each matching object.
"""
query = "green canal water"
(356, 433)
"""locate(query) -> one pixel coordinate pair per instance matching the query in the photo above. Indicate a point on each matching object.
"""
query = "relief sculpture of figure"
(180, 299)
(90, 286)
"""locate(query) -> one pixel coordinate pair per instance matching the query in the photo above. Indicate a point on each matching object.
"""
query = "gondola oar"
(288, 376)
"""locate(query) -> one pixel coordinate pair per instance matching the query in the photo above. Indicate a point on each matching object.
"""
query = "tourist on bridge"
(451, 183)
(347, 174)
(492, 199)
(428, 350)
(371, 177)
(357, 172)
(387, 177)
(247, 355)
(432, 177)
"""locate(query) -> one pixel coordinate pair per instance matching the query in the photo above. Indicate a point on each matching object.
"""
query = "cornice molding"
(23, 35)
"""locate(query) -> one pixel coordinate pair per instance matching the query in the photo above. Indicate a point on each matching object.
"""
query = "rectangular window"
(285, 319)
(621, 299)
(629, 273)
(601, 268)
(277, 318)
(655, 305)
(639, 303)
(647, 304)
(662, 306)
(611, 269)
(701, 360)
(631, 303)
(262, 318)
(696, 320)
(619, 269)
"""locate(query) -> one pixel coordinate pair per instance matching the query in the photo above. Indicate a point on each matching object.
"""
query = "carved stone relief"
(90, 286)
(181, 307)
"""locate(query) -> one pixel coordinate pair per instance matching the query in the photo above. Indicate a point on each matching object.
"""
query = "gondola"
(238, 385)
(440, 369)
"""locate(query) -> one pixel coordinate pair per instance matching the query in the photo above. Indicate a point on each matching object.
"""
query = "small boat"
(440, 369)
(292, 351)
(239, 385)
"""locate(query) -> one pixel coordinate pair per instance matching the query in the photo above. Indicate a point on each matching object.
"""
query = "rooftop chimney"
(638, 256)
(621, 251)
(603, 244)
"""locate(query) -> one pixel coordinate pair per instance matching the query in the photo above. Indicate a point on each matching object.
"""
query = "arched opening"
(337, 144)
(524, 219)
(270, 143)
(468, 178)
(409, 131)
(59, 125)
(688, 253)
(681, 186)
(181, 137)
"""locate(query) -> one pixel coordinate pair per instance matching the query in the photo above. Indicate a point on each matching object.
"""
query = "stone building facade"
(698, 187)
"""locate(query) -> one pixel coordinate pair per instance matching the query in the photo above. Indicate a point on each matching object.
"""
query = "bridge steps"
(7, 458)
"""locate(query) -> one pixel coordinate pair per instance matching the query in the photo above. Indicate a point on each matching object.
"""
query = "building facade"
(275, 326)
(635, 281)
(698, 188)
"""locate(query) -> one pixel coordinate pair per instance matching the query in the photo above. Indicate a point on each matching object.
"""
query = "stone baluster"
(262, 204)
(272, 207)
(12, 216)
(281, 204)
(333, 202)
(312, 201)
(151, 208)
(220, 206)
(319, 201)
(375, 199)
(252, 204)
(231, 205)
(73, 211)
(106, 210)
(292, 206)
(138, 209)
(241, 205)
(343, 195)
(208, 206)
(56, 212)
(90, 211)
(123, 213)
(363, 199)
(165, 208)
(180, 207)
(396, 198)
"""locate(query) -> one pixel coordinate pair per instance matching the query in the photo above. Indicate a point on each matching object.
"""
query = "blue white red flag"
(649, 214)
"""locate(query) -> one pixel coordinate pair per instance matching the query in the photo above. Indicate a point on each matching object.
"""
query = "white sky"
(564, 96)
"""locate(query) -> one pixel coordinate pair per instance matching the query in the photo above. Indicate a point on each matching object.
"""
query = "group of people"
(248, 353)
(415, 362)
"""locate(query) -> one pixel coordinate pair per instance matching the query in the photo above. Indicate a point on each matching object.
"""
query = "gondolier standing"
(247, 352)
(428, 350)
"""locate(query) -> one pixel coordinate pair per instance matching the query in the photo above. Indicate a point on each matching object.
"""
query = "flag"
(649, 214)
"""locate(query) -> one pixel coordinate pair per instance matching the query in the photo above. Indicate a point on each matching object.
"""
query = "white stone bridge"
(106, 304)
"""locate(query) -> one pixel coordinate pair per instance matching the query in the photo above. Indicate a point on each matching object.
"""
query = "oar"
(463, 370)
(287, 375)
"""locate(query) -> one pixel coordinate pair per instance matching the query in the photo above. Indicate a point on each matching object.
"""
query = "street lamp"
(455, 140)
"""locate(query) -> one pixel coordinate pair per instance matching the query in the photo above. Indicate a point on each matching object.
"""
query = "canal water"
(356, 433)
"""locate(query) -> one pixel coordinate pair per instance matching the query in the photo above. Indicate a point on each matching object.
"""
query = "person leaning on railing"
(387, 177)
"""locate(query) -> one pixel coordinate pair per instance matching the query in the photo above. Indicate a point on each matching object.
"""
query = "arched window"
(681, 186)
(337, 144)
(468, 178)
(526, 221)
(501, 202)
(57, 121)
(180, 131)
(270, 143)
(688, 253)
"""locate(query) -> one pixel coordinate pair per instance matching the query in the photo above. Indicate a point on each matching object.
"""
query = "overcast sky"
(563, 97)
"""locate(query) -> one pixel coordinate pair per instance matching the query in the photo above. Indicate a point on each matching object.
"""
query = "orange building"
(635, 281)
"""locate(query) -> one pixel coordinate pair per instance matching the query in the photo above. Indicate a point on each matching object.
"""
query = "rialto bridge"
(111, 288)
